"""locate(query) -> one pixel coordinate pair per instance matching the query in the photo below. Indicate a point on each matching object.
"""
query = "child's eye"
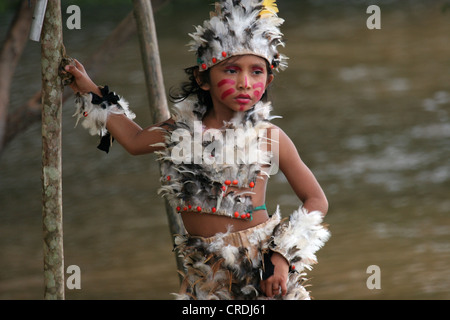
(258, 71)
(232, 69)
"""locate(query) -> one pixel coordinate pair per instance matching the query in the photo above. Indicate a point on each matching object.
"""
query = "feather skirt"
(229, 265)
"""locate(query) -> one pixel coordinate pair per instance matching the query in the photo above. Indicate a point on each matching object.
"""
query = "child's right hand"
(276, 283)
(82, 82)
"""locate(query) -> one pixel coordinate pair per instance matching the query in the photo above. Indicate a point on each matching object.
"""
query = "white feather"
(230, 24)
(304, 233)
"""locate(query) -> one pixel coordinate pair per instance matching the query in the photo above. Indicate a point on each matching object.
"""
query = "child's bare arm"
(132, 137)
(129, 134)
(300, 176)
(309, 192)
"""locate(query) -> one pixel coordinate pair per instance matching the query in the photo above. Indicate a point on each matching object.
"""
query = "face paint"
(226, 81)
(227, 93)
(258, 93)
(246, 82)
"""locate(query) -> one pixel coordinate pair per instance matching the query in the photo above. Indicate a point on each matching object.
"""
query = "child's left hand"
(272, 285)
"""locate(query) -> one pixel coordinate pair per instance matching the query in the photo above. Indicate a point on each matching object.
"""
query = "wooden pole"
(155, 88)
(52, 89)
(143, 13)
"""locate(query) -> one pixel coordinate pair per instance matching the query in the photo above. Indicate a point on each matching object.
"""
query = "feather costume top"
(199, 165)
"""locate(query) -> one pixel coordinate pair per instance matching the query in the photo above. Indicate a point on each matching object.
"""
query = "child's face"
(238, 83)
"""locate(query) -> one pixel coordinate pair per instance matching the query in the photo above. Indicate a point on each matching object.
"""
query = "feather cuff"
(298, 239)
(94, 111)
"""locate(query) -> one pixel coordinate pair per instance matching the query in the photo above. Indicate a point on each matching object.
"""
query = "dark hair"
(191, 87)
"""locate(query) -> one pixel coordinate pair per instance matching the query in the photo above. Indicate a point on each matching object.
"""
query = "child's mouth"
(243, 99)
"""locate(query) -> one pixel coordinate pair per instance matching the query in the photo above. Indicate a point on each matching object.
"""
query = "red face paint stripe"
(226, 81)
(227, 93)
(258, 85)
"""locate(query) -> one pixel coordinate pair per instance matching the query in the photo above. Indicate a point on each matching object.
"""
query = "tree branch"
(10, 54)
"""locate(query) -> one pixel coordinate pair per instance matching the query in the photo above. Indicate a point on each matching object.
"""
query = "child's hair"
(191, 87)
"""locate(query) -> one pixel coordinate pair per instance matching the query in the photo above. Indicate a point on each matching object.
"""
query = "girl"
(232, 249)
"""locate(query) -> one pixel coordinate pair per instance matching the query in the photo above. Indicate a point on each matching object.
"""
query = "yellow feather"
(270, 9)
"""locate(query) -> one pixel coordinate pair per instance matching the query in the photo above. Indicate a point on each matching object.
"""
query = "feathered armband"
(94, 111)
(299, 238)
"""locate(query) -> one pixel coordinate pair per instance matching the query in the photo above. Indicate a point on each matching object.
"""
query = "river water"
(367, 109)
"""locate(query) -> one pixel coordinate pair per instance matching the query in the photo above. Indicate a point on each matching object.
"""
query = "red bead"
(189, 206)
(185, 209)
(236, 214)
(214, 60)
(199, 208)
(293, 267)
(168, 178)
(235, 182)
(271, 67)
(227, 182)
(251, 184)
(85, 114)
(248, 215)
(178, 208)
(224, 54)
(243, 216)
(214, 210)
(204, 66)
(224, 188)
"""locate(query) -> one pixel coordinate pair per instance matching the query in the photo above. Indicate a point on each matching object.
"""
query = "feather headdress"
(239, 27)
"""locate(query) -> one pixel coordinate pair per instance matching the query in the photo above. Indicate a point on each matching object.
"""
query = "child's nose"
(243, 82)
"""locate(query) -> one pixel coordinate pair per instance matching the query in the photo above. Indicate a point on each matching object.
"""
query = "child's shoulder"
(282, 139)
(275, 131)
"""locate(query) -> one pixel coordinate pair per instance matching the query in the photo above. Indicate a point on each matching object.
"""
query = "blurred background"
(367, 109)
